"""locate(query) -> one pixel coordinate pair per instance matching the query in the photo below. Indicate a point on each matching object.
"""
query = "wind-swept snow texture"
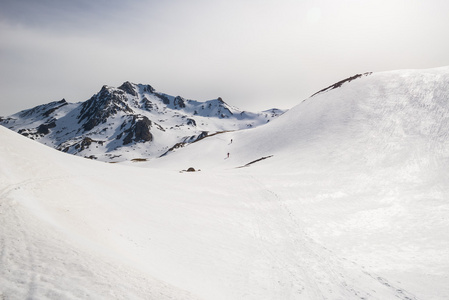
(350, 202)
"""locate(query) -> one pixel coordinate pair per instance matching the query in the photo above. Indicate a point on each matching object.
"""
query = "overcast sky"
(255, 54)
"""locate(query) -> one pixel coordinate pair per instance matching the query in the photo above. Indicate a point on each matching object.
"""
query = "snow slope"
(379, 119)
(349, 203)
(365, 164)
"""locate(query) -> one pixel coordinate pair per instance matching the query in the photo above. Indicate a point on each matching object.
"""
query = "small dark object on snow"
(190, 169)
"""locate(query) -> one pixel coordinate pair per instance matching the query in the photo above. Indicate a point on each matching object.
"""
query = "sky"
(255, 54)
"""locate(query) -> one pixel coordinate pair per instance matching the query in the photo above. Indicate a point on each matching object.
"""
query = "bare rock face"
(149, 89)
(128, 88)
(179, 102)
(139, 131)
(42, 111)
(341, 82)
(101, 106)
(79, 145)
(191, 122)
(45, 128)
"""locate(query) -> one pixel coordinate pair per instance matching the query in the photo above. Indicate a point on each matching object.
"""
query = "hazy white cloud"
(254, 54)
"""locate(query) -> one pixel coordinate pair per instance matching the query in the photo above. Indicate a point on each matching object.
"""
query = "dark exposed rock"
(191, 169)
(43, 110)
(6, 120)
(23, 132)
(148, 105)
(79, 145)
(164, 98)
(179, 102)
(86, 142)
(139, 131)
(128, 138)
(138, 159)
(254, 161)
(52, 110)
(188, 140)
(175, 146)
(222, 108)
(127, 87)
(148, 88)
(101, 106)
(142, 130)
(202, 135)
(340, 83)
(191, 122)
(44, 128)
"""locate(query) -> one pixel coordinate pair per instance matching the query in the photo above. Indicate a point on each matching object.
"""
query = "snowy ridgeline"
(133, 121)
(346, 198)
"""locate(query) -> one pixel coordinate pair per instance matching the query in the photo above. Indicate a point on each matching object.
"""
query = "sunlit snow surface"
(352, 202)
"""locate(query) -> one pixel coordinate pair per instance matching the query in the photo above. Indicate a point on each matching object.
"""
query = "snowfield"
(350, 201)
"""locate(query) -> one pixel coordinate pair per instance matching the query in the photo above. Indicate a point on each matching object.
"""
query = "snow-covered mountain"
(131, 121)
(366, 119)
(345, 196)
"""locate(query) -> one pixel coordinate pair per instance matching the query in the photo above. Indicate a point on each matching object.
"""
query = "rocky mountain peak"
(101, 106)
(148, 88)
(132, 120)
(129, 88)
(42, 111)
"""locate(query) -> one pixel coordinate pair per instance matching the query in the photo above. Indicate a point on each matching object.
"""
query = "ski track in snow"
(312, 271)
(37, 262)
(17, 247)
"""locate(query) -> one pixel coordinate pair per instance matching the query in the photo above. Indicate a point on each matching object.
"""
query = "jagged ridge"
(132, 120)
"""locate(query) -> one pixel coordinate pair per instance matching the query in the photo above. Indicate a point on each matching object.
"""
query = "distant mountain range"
(130, 121)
